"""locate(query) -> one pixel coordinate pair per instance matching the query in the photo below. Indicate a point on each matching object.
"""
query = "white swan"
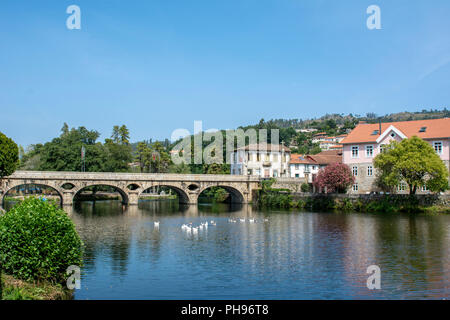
(156, 224)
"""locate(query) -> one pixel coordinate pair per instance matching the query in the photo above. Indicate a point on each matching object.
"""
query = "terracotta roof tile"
(301, 159)
(435, 128)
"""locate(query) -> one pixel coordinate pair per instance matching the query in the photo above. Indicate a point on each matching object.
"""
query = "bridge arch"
(236, 196)
(125, 196)
(10, 187)
(182, 195)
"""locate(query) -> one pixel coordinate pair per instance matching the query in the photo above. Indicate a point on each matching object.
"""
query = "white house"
(264, 160)
(308, 166)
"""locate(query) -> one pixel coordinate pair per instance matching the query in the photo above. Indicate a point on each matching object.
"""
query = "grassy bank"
(14, 289)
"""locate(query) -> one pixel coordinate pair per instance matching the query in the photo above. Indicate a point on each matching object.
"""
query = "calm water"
(294, 255)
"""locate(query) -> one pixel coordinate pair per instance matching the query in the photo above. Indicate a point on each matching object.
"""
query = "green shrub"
(305, 187)
(38, 241)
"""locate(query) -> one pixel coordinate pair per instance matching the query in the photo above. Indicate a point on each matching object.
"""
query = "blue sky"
(159, 65)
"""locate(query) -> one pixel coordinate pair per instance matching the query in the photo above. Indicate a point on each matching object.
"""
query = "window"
(375, 132)
(393, 135)
(267, 157)
(297, 175)
(275, 157)
(355, 170)
(437, 147)
(355, 151)
(296, 167)
(423, 129)
(424, 188)
(258, 157)
(355, 187)
(248, 156)
(382, 148)
(369, 151)
(249, 172)
(369, 171)
(401, 187)
(314, 167)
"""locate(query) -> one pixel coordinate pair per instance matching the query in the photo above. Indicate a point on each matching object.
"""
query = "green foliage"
(38, 241)
(153, 157)
(9, 156)
(305, 187)
(413, 161)
(64, 153)
(180, 168)
(217, 194)
(274, 198)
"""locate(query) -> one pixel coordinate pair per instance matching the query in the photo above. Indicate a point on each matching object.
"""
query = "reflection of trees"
(413, 251)
(105, 232)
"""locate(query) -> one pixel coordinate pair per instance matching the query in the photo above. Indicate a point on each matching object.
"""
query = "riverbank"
(14, 289)
(283, 198)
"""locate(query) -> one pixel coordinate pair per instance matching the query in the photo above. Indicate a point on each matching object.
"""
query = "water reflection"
(293, 255)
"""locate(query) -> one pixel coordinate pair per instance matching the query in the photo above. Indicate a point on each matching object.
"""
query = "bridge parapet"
(131, 185)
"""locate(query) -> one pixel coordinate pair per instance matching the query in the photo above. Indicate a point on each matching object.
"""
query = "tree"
(414, 162)
(336, 178)
(117, 156)
(9, 156)
(64, 153)
(120, 135)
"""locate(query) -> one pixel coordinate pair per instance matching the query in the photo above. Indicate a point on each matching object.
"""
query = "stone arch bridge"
(130, 185)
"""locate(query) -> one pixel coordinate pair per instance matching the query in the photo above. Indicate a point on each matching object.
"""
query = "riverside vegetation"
(269, 197)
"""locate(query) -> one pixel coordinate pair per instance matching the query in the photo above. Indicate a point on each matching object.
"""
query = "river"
(282, 255)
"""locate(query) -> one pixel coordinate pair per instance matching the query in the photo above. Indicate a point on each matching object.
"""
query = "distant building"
(263, 160)
(367, 140)
(308, 166)
(306, 130)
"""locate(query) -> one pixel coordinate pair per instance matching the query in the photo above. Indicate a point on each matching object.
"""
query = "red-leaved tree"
(336, 178)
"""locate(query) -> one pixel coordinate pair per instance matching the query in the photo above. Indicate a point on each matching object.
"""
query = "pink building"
(367, 140)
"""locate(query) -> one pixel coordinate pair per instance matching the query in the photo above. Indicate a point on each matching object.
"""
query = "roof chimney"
(379, 127)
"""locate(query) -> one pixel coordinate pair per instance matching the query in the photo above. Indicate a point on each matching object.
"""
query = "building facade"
(263, 160)
(367, 140)
(308, 166)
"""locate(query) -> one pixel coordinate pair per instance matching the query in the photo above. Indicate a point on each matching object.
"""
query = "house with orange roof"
(365, 141)
(308, 166)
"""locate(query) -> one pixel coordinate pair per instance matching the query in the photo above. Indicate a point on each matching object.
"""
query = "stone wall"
(293, 184)
(423, 199)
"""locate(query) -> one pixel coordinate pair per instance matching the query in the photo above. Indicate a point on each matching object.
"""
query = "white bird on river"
(156, 224)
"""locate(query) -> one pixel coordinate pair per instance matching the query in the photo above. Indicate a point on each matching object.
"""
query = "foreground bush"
(38, 241)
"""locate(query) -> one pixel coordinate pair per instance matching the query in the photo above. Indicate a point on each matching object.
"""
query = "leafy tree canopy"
(414, 162)
(336, 177)
(9, 156)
